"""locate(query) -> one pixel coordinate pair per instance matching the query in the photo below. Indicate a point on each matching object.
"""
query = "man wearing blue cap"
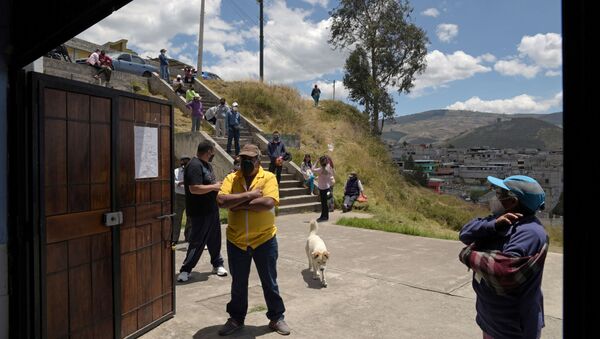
(506, 252)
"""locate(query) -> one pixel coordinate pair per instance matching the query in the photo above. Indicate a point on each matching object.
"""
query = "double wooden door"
(105, 257)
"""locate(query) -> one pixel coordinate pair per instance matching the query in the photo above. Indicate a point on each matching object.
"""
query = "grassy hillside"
(518, 132)
(397, 205)
(437, 126)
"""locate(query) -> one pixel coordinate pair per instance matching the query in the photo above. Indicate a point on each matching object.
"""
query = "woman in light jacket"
(324, 181)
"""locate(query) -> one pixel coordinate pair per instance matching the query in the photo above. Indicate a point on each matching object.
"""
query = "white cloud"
(544, 49)
(442, 69)
(432, 12)
(516, 67)
(520, 104)
(446, 32)
(151, 24)
(536, 53)
(487, 57)
(322, 3)
(305, 57)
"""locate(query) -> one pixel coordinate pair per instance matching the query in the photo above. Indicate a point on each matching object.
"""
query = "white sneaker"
(183, 277)
(220, 271)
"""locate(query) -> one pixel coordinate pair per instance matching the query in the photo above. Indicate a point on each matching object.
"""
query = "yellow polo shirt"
(249, 228)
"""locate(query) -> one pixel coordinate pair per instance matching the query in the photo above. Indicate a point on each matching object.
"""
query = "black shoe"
(230, 326)
(322, 219)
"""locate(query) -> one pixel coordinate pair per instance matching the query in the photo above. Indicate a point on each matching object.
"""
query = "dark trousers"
(276, 170)
(265, 260)
(206, 230)
(234, 134)
(324, 205)
(178, 208)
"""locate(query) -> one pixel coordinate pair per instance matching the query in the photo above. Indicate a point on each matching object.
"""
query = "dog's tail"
(313, 227)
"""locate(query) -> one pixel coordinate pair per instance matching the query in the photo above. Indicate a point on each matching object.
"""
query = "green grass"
(393, 226)
(258, 308)
(397, 205)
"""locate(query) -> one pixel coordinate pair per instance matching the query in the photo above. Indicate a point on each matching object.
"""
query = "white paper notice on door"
(146, 152)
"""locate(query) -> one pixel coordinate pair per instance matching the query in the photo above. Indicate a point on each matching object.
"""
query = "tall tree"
(388, 50)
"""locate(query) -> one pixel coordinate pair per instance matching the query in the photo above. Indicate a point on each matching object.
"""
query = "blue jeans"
(265, 260)
(311, 183)
(164, 72)
(234, 134)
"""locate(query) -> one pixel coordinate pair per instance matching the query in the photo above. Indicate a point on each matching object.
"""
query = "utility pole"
(200, 40)
(333, 89)
(262, 41)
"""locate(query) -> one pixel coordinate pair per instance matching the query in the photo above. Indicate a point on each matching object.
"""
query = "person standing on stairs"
(220, 115)
(276, 150)
(233, 125)
(164, 65)
(196, 106)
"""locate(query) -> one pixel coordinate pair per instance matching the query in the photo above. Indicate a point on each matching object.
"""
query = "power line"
(276, 47)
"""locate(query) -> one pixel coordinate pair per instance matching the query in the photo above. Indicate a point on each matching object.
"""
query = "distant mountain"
(514, 133)
(437, 126)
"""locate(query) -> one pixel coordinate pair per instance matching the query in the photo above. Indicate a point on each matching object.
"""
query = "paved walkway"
(381, 285)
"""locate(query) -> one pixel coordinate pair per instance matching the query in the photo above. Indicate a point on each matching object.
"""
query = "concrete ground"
(381, 285)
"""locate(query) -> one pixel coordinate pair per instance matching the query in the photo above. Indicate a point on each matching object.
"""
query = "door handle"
(166, 216)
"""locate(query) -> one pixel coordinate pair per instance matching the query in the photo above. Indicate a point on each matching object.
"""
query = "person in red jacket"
(106, 66)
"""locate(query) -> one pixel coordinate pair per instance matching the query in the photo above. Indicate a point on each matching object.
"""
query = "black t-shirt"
(198, 172)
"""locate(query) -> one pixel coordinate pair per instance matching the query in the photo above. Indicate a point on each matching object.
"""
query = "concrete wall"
(187, 144)
(84, 73)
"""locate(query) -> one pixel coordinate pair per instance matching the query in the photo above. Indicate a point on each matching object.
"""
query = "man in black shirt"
(201, 188)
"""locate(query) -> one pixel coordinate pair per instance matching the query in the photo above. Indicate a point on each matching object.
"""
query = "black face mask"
(276, 138)
(247, 167)
(211, 158)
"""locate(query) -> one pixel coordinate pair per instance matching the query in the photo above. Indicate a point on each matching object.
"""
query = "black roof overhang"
(37, 28)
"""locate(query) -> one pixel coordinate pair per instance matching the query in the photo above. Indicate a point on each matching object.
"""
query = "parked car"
(126, 62)
(210, 76)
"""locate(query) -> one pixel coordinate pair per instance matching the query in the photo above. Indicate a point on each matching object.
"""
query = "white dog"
(317, 253)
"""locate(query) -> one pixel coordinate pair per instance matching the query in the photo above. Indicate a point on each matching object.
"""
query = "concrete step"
(298, 199)
(292, 191)
(289, 183)
(287, 176)
(300, 208)
(284, 170)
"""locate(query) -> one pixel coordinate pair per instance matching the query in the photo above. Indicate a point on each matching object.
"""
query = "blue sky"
(494, 56)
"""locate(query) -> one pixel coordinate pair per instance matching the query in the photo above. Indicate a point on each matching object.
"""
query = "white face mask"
(496, 206)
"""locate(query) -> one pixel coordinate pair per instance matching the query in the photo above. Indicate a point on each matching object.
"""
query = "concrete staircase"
(294, 198)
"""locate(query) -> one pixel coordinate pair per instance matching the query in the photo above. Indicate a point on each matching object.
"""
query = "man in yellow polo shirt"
(251, 194)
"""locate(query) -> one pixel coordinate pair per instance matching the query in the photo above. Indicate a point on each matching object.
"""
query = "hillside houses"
(464, 170)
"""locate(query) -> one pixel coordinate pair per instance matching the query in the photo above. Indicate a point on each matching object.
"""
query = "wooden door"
(76, 162)
(147, 273)
(99, 281)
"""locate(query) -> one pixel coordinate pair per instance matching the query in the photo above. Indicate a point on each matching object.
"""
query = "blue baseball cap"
(526, 189)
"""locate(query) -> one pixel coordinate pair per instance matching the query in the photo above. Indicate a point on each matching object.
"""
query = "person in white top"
(324, 182)
(179, 202)
(309, 177)
(94, 59)
(220, 115)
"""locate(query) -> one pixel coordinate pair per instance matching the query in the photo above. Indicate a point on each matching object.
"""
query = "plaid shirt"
(502, 273)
